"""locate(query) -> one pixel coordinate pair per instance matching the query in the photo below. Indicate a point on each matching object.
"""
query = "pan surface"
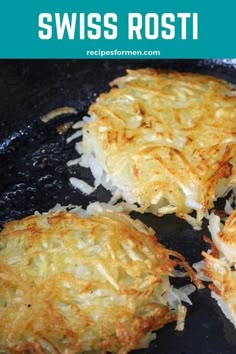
(34, 175)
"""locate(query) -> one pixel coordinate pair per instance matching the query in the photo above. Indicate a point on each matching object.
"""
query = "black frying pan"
(34, 175)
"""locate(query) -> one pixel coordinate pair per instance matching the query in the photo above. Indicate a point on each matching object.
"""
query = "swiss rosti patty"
(71, 283)
(219, 264)
(163, 141)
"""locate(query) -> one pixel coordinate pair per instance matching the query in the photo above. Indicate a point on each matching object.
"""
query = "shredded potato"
(219, 265)
(71, 283)
(164, 141)
(57, 112)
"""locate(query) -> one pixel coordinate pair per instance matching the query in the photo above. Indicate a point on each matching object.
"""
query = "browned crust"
(218, 269)
(43, 245)
(205, 120)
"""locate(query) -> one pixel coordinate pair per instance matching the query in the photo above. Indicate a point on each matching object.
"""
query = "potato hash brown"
(71, 283)
(164, 141)
(219, 265)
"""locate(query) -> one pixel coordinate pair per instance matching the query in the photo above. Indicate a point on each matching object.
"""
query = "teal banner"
(117, 29)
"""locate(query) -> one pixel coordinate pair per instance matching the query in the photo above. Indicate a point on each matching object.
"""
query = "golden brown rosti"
(163, 141)
(219, 265)
(71, 283)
